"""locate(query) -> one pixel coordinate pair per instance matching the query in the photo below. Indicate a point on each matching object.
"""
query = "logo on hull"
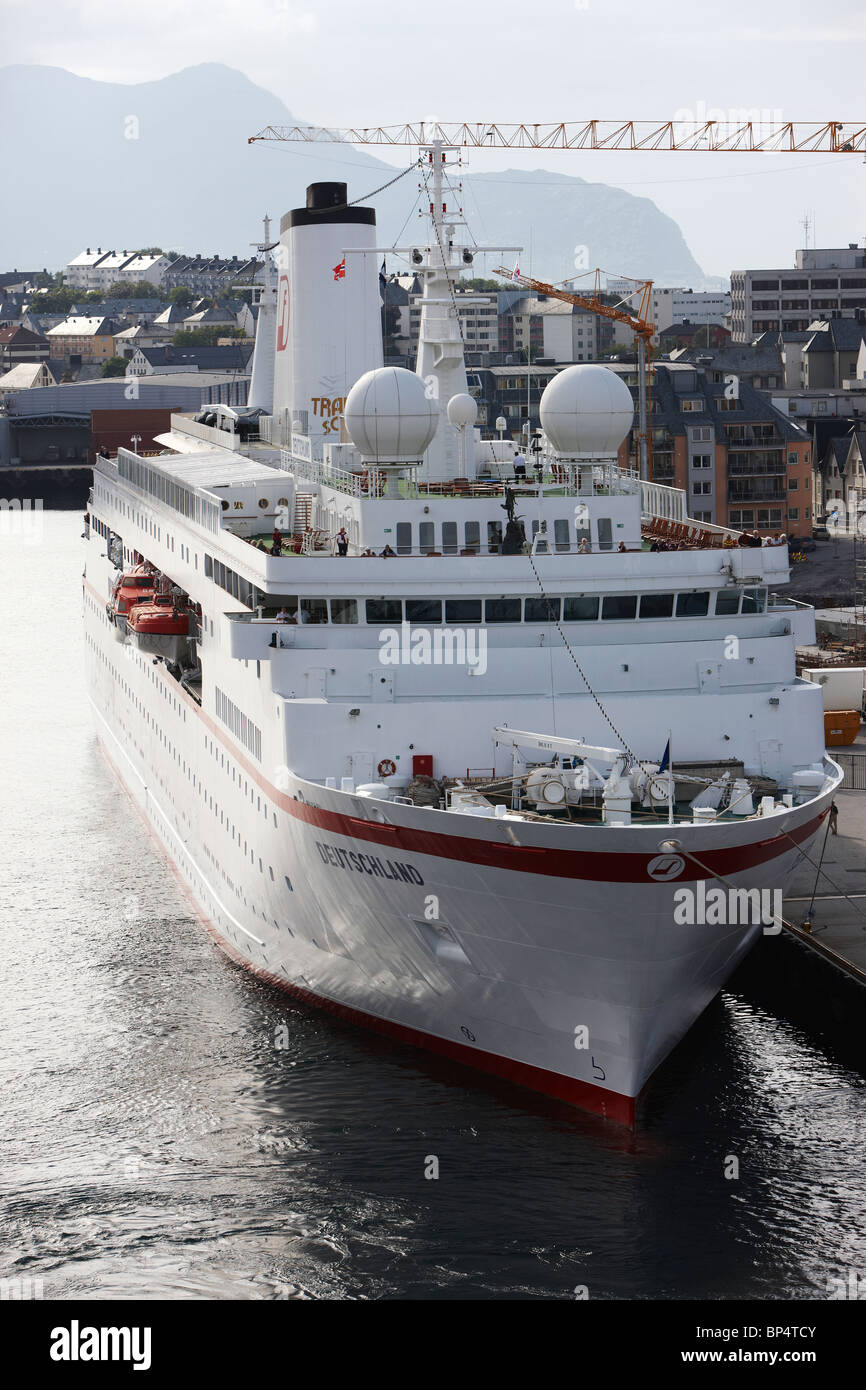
(665, 867)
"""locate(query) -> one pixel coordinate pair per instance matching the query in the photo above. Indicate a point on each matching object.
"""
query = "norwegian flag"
(340, 270)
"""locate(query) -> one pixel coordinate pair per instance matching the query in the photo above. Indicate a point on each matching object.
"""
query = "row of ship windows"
(219, 758)
(573, 608)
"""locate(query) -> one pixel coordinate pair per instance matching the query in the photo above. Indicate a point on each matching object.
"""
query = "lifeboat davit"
(161, 626)
(131, 588)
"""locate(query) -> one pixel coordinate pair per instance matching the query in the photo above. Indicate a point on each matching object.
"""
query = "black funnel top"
(327, 195)
(326, 202)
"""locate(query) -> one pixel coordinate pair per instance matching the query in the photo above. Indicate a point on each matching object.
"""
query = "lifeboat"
(130, 588)
(161, 627)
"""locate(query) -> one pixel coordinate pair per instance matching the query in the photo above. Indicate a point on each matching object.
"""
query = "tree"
(53, 301)
(180, 295)
(141, 289)
(479, 283)
(205, 336)
(114, 366)
(156, 251)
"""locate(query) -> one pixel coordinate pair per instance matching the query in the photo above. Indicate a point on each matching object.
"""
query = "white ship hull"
(560, 968)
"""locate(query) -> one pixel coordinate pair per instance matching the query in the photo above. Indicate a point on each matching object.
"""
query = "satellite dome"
(389, 417)
(462, 409)
(588, 410)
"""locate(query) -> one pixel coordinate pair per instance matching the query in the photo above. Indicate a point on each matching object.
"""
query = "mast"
(261, 393)
(440, 361)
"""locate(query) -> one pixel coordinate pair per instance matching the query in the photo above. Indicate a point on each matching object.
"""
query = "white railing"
(367, 484)
(602, 479)
(669, 503)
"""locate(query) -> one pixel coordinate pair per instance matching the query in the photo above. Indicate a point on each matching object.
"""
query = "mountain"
(167, 163)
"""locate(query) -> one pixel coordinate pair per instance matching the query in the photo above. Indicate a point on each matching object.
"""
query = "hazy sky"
(340, 62)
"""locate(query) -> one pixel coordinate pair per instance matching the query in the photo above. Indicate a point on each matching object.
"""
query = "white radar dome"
(462, 409)
(586, 409)
(389, 417)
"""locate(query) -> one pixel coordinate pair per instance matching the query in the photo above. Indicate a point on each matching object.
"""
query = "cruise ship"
(457, 749)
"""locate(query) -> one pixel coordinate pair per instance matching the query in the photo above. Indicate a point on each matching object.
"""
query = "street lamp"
(135, 440)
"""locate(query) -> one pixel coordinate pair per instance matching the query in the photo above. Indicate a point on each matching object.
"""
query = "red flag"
(340, 270)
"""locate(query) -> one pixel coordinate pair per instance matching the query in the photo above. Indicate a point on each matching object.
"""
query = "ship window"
(605, 534)
(656, 605)
(727, 602)
(423, 610)
(404, 538)
(541, 610)
(472, 535)
(561, 534)
(494, 536)
(463, 610)
(384, 610)
(620, 606)
(502, 610)
(754, 600)
(426, 536)
(314, 610)
(344, 610)
(449, 537)
(693, 605)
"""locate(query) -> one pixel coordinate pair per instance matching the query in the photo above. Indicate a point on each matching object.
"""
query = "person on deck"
(342, 542)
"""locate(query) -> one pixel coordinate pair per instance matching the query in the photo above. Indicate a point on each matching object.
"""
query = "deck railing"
(601, 479)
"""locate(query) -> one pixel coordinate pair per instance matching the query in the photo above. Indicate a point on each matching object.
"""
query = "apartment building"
(97, 270)
(741, 462)
(824, 283)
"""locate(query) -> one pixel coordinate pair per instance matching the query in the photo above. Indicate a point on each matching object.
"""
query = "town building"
(211, 275)
(551, 329)
(740, 461)
(89, 338)
(21, 345)
(153, 361)
(25, 376)
(840, 482)
(97, 270)
(686, 334)
(830, 354)
(759, 364)
(823, 283)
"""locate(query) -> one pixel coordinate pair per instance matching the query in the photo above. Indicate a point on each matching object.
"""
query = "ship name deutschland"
(368, 864)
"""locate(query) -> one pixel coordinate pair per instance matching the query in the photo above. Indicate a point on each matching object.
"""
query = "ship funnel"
(328, 317)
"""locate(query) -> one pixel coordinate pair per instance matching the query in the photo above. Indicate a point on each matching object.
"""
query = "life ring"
(387, 767)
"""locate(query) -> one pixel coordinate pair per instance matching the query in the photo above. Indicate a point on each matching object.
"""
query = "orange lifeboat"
(161, 626)
(130, 588)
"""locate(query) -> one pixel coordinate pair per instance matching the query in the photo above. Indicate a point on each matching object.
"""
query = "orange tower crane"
(640, 323)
